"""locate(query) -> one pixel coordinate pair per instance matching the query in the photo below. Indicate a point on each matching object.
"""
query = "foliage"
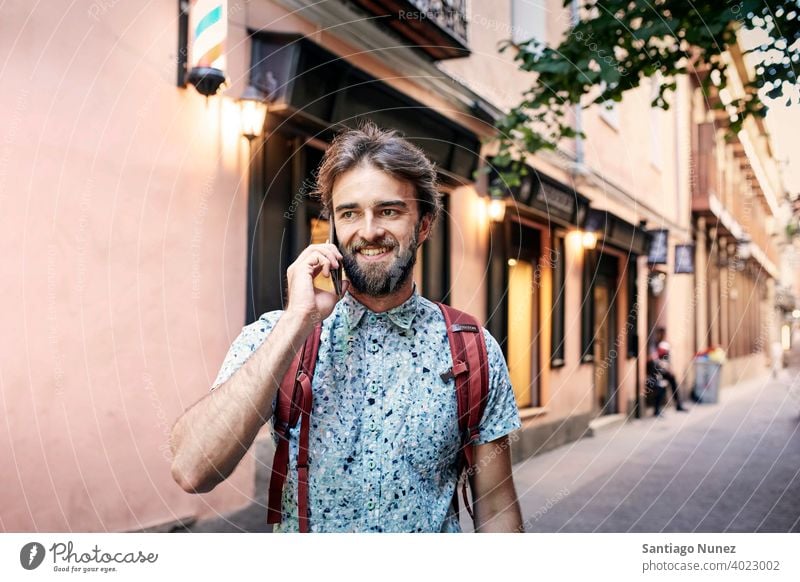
(616, 44)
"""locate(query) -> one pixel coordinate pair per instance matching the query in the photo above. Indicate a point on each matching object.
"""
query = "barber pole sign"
(208, 29)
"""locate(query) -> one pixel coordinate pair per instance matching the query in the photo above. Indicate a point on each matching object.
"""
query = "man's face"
(378, 227)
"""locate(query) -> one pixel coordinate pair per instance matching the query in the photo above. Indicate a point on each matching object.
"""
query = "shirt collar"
(402, 315)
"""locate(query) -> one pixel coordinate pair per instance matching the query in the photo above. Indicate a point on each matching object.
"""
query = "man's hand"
(305, 301)
(212, 436)
(494, 498)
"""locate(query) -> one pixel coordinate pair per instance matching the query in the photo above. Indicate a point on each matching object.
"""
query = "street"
(729, 467)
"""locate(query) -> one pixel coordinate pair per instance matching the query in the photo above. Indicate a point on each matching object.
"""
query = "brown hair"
(386, 150)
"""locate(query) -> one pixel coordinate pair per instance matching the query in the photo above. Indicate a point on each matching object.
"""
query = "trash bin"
(706, 380)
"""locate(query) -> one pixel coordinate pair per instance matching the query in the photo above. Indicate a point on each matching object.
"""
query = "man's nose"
(371, 228)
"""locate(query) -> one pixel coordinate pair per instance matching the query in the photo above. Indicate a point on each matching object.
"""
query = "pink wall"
(123, 224)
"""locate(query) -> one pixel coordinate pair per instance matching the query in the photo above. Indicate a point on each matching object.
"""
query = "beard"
(377, 279)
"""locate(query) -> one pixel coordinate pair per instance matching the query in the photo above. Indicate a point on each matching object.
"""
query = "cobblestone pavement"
(727, 467)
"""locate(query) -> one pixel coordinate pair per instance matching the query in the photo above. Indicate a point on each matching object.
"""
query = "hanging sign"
(659, 247)
(684, 258)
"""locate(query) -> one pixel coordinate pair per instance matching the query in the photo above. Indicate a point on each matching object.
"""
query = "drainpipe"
(579, 153)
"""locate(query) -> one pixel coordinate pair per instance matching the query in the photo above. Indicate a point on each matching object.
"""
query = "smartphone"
(336, 274)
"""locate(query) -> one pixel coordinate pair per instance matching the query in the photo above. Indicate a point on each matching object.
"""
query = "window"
(528, 20)
(558, 266)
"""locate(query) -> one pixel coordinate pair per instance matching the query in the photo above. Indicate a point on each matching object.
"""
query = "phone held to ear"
(336, 274)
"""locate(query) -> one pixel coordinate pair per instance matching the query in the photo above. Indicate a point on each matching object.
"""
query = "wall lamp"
(589, 240)
(496, 207)
(253, 112)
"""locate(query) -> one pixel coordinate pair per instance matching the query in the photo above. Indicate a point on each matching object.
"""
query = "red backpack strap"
(471, 372)
(294, 403)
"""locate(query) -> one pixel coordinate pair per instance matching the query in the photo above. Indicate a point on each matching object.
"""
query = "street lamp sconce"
(589, 240)
(657, 282)
(496, 208)
(253, 110)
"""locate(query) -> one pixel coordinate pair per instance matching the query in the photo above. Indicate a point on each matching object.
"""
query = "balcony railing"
(437, 27)
(704, 166)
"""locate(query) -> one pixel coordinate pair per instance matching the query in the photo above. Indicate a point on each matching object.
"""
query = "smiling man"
(384, 443)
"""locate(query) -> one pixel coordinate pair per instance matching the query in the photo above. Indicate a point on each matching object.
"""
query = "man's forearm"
(502, 520)
(210, 438)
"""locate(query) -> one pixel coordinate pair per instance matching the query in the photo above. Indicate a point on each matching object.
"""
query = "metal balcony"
(436, 27)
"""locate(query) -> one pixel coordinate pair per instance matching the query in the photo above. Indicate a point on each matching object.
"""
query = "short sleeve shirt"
(384, 436)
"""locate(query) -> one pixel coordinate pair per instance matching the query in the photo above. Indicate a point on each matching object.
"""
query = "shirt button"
(370, 505)
(371, 464)
(373, 388)
(373, 318)
(372, 425)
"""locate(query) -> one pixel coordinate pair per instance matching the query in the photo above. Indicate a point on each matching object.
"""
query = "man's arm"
(212, 436)
(494, 499)
(210, 439)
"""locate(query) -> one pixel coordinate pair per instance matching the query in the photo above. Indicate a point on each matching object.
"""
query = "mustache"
(387, 242)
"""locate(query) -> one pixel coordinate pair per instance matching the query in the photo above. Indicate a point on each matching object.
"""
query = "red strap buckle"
(458, 369)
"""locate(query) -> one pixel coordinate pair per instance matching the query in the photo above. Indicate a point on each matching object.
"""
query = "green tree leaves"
(616, 44)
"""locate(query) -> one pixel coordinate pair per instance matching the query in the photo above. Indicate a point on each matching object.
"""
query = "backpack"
(471, 373)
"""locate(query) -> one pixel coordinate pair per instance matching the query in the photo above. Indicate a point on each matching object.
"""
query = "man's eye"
(347, 214)
(389, 212)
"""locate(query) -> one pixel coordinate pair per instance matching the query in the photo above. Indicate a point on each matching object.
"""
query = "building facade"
(152, 228)
(737, 197)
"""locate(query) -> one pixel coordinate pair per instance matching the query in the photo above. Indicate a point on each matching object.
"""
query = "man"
(384, 431)
(660, 365)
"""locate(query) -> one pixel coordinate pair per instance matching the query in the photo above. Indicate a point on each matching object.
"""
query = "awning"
(612, 230)
(323, 90)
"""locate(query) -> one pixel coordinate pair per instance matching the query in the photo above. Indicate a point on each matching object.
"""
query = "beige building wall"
(123, 224)
(126, 281)
(636, 166)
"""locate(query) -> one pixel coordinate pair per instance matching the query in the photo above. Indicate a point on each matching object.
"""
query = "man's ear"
(424, 228)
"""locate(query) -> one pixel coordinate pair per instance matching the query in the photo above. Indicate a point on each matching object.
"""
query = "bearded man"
(384, 438)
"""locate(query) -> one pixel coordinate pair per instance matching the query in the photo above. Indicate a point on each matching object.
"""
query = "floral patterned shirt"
(384, 431)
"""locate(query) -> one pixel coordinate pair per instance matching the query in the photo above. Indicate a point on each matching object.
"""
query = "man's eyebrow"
(348, 206)
(381, 204)
(385, 203)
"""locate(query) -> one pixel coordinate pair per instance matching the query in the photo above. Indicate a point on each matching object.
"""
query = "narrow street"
(729, 467)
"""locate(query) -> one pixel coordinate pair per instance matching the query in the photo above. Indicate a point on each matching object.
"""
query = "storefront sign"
(684, 258)
(658, 250)
(555, 202)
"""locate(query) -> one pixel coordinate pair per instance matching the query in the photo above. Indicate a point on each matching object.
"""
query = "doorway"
(283, 217)
(606, 348)
(523, 275)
